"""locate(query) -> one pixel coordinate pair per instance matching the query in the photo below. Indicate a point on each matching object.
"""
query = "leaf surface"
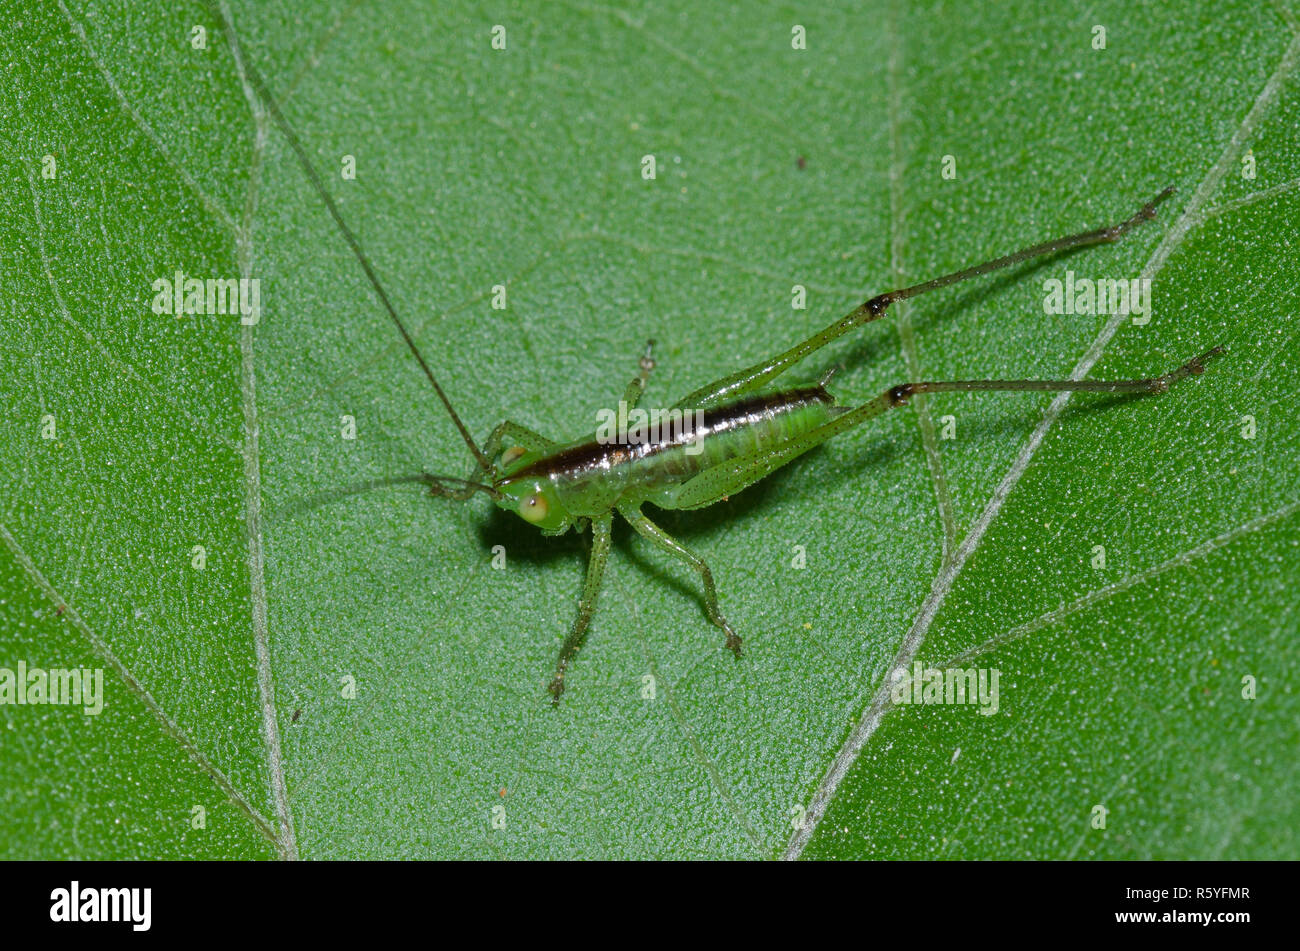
(354, 678)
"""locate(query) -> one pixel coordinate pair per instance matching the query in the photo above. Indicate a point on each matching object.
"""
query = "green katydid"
(744, 427)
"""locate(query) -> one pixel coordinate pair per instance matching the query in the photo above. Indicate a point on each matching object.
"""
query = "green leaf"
(352, 677)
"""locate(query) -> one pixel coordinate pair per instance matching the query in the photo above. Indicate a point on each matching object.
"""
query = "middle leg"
(661, 539)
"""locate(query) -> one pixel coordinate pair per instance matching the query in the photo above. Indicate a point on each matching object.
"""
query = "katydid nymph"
(745, 427)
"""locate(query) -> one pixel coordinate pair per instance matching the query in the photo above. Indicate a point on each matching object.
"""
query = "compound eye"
(533, 508)
(511, 454)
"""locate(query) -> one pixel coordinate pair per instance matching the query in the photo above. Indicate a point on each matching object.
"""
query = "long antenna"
(447, 487)
(264, 93)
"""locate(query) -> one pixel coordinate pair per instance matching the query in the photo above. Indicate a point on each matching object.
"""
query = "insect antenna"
(264, 93)
(448, 487)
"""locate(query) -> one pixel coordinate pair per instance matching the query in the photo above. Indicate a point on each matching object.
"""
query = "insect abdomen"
(739, 428)
(591, 476)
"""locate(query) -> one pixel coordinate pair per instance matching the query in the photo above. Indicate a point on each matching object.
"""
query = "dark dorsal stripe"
(719, 419)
